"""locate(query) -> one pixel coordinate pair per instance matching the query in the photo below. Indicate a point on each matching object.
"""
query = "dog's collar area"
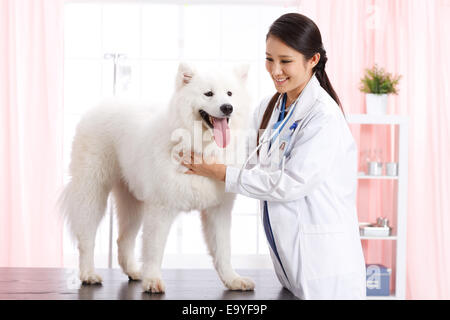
(207, 118)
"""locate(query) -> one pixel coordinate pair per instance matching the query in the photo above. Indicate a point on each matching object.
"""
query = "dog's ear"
(241, 71)
(184, 75)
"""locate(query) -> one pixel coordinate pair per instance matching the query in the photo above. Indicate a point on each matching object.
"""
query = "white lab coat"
(313, 211)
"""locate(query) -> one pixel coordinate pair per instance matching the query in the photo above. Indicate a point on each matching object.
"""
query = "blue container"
(377, 280)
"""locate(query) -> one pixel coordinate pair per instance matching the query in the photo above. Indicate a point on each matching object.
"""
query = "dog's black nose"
(227, 109)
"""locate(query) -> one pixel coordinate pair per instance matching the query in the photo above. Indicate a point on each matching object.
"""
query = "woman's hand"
(215, 171)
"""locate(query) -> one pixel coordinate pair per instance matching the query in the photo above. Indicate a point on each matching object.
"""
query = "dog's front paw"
(90, 278)
(153, 285)
(240, 283)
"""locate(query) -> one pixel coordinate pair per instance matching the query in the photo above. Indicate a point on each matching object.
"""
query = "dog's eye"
(209, 94)
(230, 93)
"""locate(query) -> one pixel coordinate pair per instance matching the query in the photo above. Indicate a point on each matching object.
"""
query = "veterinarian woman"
(309, 215)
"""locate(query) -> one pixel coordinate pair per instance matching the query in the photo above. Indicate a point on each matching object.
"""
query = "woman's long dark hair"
(302, 34)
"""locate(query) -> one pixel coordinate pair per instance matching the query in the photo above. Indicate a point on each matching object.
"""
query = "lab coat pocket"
(325, 251)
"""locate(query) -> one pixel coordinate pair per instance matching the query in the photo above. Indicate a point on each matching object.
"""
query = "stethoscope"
(264, 139)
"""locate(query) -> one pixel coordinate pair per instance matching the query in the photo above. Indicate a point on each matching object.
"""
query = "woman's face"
(287, 67)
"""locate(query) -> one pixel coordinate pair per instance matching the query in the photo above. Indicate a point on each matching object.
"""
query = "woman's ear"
(184, 74)
(314, 60)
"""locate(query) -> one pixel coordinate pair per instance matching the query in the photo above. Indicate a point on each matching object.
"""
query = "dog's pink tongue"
(221, 132)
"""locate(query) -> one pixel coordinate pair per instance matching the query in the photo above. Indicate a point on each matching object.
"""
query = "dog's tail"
(68, 205)
(81, 207)
(62, 206)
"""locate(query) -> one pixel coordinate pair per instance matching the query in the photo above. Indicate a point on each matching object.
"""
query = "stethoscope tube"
(262, 142)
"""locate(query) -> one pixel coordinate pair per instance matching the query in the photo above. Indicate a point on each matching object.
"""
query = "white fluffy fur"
(128, 150)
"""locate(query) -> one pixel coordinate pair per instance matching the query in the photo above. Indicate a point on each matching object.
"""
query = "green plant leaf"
(378, 81)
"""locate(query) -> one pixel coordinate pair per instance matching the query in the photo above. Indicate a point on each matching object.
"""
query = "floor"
(181, 284)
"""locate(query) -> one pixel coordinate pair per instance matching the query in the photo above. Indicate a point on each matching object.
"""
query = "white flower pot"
(376, 104)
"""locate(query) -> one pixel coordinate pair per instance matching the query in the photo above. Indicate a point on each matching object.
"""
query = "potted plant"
(377, 84)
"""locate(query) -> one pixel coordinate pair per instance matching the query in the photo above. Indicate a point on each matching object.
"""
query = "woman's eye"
(229, 93)
(282, 61)
(209, 94)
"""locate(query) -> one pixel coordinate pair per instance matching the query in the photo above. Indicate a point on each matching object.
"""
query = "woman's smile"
(281, 81)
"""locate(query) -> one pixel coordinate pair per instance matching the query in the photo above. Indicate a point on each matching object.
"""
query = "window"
(155, 37)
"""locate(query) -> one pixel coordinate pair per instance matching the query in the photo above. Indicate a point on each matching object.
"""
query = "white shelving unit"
(401, 143)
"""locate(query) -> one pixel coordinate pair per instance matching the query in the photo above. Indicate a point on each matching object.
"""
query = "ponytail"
(322, 76)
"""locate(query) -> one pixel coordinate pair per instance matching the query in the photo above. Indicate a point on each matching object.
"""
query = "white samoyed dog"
(133, 152)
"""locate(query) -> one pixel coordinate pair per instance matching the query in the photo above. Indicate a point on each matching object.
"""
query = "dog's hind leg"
(84, 204)
(156, 227)
(216, 223)
(129, 215)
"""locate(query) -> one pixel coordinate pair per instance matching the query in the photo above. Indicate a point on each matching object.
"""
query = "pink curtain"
(31, 92)
(407, 37)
